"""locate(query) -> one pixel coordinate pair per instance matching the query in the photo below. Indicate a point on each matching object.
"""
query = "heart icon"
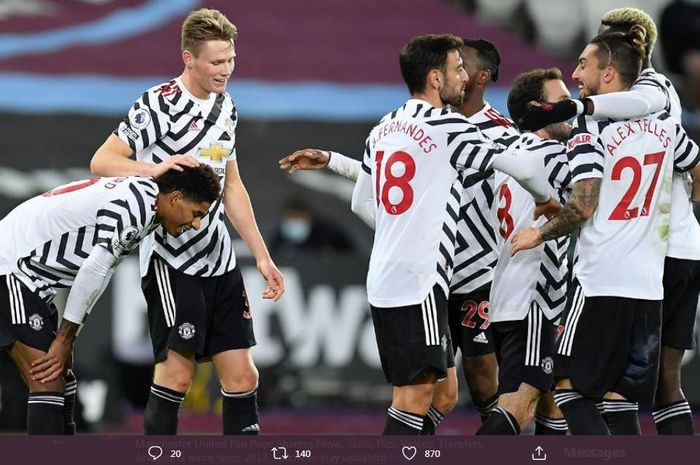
(409, 452)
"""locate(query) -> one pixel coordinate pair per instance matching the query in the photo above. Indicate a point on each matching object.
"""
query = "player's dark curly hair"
(423, 54)
(200, 184)
(488, 55)
(529, 87)
(624, 51)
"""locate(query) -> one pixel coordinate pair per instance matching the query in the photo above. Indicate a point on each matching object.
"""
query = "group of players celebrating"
(474, 218)
(474, 223)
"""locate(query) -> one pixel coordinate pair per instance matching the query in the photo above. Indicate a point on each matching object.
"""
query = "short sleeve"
(122, 223)
(147, 121)
(585, 152)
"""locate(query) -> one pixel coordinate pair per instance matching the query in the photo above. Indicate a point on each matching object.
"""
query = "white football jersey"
(684, 230)
(168, 120)
(538, 275)
(47, 238)
(413, 156)
(476, 251)
(621, 248)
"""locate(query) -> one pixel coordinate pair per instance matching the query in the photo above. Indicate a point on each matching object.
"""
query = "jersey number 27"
(623, 211)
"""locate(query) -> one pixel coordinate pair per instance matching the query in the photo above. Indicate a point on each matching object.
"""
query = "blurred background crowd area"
(309, 73)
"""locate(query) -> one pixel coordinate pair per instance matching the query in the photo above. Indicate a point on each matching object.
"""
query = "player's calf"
(445, 398)
(514, 412)
(581, 412)
(621, 415)
(409, 407)
(171, 381)
(45, 402)
(239, 388)
(549, 420)
(481, 374)
(672, 414)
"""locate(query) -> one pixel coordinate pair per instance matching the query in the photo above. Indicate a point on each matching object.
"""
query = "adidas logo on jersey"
(194, 126)
(481, 338)
(251, 428)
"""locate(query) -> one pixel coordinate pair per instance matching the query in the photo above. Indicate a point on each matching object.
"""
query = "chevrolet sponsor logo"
(216, 152)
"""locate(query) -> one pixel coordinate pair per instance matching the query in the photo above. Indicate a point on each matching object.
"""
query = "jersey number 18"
(394, 181)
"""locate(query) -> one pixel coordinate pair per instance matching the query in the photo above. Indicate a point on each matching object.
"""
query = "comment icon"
(155, 452)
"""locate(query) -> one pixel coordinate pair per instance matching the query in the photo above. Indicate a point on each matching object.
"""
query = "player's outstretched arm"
(580, 207)
(527, 175)
(363, 200)
(90, 282)
(306, 159)
(316, 159)
(640, 100)
(240, 211)
(113, 159)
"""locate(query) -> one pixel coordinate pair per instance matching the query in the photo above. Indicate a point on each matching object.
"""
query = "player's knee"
(176, 378)
(240, 381)
(445, 401)
(547, 407)
(668, 388)
(57, 385)
(414, 397)
(520, 405)
(481, 376)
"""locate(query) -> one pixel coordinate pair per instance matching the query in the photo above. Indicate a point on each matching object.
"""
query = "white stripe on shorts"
(430, 324)
(14, 288)
(567, 339)
(534, 335)
(166, 293)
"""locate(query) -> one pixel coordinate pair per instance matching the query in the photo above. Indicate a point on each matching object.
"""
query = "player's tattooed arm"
(581, 206)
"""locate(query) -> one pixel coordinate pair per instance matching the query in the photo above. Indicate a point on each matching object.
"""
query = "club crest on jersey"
(36, 322)
(215, 152)
(547, 365)
(140, 118)
(186, 330)
(443, 343)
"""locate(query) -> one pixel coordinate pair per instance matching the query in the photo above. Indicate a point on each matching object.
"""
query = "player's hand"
(273, 278)
(550, 209)
(540, 115)
(526, 238)
(52, 365)
(307, 159)
(176, 162)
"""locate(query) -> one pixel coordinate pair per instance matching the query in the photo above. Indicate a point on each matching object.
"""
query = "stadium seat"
(499, 12)
(557, 24)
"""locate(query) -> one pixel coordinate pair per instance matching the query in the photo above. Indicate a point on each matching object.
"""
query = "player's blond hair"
(206, 24)
(625, 18)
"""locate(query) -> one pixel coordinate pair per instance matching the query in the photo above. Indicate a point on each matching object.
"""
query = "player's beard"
(589, 90)
(455, 99)
(559, 131)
